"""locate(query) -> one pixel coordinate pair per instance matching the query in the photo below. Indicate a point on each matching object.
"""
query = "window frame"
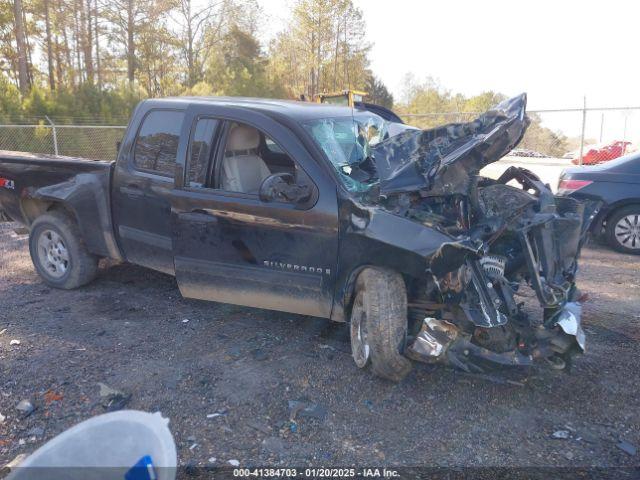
(148, 171)
(215, 141)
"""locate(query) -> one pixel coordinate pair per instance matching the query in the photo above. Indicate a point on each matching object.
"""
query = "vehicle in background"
(345, 98)
(328, 211)
(616, 184)
(355, 99)
(604, 153)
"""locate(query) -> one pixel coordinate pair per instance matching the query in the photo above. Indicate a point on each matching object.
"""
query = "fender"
(372, 237)
(87, 195)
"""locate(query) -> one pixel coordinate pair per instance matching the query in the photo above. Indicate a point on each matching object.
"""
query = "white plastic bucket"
(105, 447)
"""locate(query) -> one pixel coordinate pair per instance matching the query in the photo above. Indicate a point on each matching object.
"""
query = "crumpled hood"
(442, 160)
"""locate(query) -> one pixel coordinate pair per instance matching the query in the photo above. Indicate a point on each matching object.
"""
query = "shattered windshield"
(366, 150)
(348, 143)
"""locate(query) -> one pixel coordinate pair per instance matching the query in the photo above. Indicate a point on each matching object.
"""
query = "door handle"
(198, 216)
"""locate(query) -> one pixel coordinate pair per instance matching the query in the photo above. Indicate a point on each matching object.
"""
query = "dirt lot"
(131, 330)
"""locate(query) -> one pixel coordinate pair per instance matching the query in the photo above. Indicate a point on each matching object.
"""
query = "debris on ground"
(627, 447)
(26, 407)
(212, 459)
(2, 419)
(561, 434)
(4, 330)
(50, 396)
(186, 320)
(14, 342)
(107, 391)
(217, 414)
(303, 408)
(234, 463)
(112, 399)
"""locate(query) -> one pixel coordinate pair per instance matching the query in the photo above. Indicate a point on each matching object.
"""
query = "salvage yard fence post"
(584, 124)
(54, 134)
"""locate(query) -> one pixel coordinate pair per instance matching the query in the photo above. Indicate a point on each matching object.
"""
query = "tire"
(59, 253)
(623, 230)
(379, 324)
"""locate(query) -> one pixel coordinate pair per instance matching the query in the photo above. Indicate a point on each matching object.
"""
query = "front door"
(232, 247)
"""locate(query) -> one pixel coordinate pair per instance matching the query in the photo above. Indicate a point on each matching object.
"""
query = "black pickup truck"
(326, 211)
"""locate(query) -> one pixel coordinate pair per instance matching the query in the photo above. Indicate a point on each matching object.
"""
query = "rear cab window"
(156, 145)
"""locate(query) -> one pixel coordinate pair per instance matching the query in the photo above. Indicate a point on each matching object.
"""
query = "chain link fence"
(593, 135)
(91, 141)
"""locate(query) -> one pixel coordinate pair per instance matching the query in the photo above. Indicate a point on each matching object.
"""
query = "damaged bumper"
(443, 342)
(517, 240)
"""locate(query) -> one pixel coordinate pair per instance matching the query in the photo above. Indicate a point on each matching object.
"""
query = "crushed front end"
(503, 289)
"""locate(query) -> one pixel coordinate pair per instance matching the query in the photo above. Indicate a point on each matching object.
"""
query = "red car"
(604, 153)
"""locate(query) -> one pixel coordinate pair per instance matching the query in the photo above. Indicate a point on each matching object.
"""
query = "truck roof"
(297, 110)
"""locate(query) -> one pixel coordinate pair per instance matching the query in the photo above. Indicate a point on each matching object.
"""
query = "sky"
(557, 51)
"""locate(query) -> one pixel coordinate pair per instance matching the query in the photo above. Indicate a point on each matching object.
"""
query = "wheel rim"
(53, 254)
(359, 344)
(627, 231)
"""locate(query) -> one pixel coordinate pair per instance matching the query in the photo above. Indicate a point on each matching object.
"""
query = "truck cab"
(187, 200)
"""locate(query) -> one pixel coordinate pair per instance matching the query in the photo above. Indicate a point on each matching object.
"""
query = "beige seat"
(242, 169)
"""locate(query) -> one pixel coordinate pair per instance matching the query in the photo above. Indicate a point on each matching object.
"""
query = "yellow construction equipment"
(344, 98)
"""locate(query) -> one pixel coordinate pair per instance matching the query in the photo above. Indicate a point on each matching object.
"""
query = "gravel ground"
(131, 330)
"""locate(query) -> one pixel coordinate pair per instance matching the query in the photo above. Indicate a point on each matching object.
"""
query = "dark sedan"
(617, 185)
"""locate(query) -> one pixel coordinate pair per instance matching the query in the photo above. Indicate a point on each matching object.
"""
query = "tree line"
(97, 58)
(93, 60)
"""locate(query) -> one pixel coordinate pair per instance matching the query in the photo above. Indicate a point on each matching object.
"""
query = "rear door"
(143, 181)
(232, 247)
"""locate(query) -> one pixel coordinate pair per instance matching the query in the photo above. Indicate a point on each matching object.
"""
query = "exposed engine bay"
(511, 239)
(514, 243)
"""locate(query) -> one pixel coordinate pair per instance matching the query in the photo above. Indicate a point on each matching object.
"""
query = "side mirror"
(282, 186)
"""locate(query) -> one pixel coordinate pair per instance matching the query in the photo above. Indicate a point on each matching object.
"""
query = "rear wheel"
(623, 230)
(379, 324)
(58, 252)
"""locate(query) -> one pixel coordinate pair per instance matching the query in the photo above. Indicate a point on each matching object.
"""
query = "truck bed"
(31, 184)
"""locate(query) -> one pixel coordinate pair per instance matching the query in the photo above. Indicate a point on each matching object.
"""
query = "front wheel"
(623, 230)
(58, 252)
(379, 323)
